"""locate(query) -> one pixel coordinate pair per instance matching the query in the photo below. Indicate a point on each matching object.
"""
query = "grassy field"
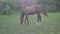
(11, 25)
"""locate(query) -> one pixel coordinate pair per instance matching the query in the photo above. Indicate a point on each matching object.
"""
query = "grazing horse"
(31, 10)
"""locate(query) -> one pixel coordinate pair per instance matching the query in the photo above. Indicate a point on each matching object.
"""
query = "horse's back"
(30, 10)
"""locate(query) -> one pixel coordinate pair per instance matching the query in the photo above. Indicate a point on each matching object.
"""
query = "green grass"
(11, 25)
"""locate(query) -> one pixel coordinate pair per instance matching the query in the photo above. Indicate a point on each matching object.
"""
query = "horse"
(32, 10)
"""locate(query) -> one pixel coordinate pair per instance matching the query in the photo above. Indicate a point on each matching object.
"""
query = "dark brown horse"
(31, 10)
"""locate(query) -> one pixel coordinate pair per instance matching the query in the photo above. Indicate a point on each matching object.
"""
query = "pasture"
(11, 25)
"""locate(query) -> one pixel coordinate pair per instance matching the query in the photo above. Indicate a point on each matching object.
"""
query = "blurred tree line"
(10, 6)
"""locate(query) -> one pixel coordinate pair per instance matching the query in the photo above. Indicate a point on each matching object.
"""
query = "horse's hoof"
(36, 23)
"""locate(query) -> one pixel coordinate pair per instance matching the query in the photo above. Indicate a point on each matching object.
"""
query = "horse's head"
(41, 8)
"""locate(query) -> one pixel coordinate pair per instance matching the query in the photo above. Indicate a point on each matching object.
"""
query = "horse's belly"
(32, 11)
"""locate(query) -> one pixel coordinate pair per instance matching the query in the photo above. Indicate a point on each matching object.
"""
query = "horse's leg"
(27, 19)
(39, 18)
(22, 18)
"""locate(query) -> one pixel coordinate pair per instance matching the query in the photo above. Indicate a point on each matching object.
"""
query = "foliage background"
(13, 6)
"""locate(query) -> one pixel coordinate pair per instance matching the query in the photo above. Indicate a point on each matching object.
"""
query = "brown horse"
(31, 10)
